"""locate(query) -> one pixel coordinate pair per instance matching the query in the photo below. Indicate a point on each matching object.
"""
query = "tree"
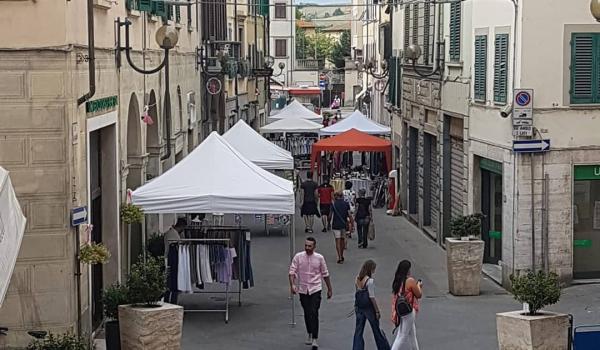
(326, 15)
(341, 50)
(299, 14)
(301, 43)
(319, 46)
(338, 12)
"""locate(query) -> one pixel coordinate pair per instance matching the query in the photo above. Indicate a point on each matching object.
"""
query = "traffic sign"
(322, 84)
(523, 104)
(78, 216)
(531, 146)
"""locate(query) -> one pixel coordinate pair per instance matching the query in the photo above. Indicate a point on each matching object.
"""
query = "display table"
(357, 184)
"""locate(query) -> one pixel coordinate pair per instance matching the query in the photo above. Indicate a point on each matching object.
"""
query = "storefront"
(586, 221)
(491, 208)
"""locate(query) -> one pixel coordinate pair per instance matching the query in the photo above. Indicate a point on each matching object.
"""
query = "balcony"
(310, 64)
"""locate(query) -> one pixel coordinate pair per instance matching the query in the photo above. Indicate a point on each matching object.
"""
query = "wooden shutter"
(131, 4)
(455, 24)
(280, 10)
(584, 68)
(426, 31)
(415, 24)
(406, 26)
(159, 8)
(500, 67)
(144, 5)
(392, 81)
(177, 14)
(280, 47)
(480, 83)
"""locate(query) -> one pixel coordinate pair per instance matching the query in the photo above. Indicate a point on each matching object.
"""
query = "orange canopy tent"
(352, 140)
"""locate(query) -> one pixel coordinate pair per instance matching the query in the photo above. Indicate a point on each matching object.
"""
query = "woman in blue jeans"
(364, 215)
(366, 309)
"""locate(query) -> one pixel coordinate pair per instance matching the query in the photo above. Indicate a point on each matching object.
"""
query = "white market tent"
(216, 178)
(357, 121)
(257, 149)
(295, 110)
(12, 228)
(291, 125)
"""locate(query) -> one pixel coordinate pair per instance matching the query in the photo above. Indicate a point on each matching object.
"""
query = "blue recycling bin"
(586, 337)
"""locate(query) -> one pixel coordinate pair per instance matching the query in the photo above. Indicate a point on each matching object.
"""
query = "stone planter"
(464, 259)
(548, 331)
(144, 328)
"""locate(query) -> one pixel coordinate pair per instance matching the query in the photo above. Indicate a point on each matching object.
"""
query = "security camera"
(506, 111)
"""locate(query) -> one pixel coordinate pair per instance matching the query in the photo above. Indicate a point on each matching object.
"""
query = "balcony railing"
(310, 64)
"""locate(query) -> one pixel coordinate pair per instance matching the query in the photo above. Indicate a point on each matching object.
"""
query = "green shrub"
(156, 245)
(94, 253)
(466, 226)
(147, 282)
(113, 296)
(131, 214)
(67, 341)
(536, 289)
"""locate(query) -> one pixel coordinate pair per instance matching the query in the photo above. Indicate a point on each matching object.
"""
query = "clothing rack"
(227, 290)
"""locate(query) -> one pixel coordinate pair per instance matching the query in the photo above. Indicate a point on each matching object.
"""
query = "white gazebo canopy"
(216, 178)
(357, 121)
(295, 110)
(290, 125)
(12, 227)
(257, 149)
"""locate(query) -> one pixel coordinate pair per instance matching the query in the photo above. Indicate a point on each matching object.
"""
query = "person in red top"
(404, 284)
(325, 192)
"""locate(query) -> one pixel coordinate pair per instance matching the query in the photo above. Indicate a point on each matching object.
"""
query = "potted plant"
(112, 297)
(464, 255)
(533, 329)
(67, 341)
(156, 245)
(131, 214)
(94, 253)
(147, 322)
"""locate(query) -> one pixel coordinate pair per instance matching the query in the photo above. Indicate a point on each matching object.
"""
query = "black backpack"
(403, 306)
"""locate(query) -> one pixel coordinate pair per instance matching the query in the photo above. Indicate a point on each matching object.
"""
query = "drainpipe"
(91, 54)
(239, 54)
(167, 107)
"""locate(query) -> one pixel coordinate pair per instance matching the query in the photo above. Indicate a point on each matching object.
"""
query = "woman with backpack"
(405, 305)
(366, 308)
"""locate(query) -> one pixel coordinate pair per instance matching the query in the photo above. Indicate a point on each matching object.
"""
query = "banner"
(12, 227)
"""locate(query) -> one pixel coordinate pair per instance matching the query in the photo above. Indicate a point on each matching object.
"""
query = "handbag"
(371, 233)
(403, 306)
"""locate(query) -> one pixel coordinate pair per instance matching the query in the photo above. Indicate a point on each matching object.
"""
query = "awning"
(357, 121)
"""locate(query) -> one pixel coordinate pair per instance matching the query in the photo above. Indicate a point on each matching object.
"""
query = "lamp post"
(166, 38)
(595, 9)
(371, 66)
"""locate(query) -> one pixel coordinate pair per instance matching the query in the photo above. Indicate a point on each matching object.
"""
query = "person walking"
(350, 198)
(306, 271)
(364, 215)
(341, 213)
(325, 192)
(309, 204)
(366, 308)
(404, 284)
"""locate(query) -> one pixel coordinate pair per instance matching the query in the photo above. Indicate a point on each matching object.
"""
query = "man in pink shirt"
(307, 270)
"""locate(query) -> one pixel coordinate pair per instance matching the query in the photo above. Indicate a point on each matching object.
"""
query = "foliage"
(326, 15)
(67, 341)
(131, 214)
(301, 43)
(341, 50)
(147, 281)
(299, 14)
(319, 46)
(113, 296)
(338, 12)
(466, 226)
(94, 253)
(156, 245)
(536, 289)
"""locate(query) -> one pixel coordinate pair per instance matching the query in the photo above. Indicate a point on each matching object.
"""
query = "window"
(406, 26)
(500, 68)
(280, 10)
(585, 72)
(480, 83)
(419, 30)
(280, 47)
(455, 22)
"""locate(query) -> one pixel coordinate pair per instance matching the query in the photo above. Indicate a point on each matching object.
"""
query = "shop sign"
(490, 165)
(582, 243)
(105, 104)
(587, 172)
(495, 234)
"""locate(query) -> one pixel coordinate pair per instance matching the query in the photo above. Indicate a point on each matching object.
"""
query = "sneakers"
(309, 340)
(324, 229)
(315, 345)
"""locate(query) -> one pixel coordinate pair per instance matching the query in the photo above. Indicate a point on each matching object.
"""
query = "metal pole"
(532, 214)
(292, 250)
(78, 279)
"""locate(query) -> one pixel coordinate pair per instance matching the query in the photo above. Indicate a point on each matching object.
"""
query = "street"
(444, 322)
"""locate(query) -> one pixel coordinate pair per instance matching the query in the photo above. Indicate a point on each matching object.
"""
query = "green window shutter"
(392, 81)
(406, 26)
(500, 68)
(398, 82)
(159, 8)
(177, 14)
(131, 5)
(415, 24)
(144, 5)
(455, 24)
(426, 30)
(584, 68)
(480, 83)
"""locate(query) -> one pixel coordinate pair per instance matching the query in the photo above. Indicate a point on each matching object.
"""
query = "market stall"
(295, 135)
(216, 178)
(12, 227)
(295, 110)
(357, 121)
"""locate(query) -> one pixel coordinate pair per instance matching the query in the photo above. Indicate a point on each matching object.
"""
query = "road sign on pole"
(522, 114)
(78, 216)
(531, 146)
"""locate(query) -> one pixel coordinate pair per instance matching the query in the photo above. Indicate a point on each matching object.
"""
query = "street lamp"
(371, 66)
(270, 61)
(595, 9)
(166, 38)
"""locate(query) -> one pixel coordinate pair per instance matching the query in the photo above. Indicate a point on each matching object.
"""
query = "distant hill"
(313, 11)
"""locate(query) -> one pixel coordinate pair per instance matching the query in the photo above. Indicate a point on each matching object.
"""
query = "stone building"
(63, 155)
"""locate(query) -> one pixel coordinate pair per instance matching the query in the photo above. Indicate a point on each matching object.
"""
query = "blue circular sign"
(523, 98)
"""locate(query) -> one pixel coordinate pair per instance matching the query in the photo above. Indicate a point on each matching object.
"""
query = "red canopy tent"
(352, 140)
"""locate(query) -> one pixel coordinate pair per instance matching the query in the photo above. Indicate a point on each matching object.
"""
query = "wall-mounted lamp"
(371, 66)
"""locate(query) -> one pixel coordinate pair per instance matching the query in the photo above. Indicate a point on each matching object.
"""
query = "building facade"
(63, 155)
(282, 33)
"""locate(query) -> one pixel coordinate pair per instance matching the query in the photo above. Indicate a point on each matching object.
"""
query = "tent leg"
(292, 236)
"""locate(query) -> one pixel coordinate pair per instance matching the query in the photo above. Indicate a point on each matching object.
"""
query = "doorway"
(586, 222)
(95, 153)
(491, 208)
(413, 201)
